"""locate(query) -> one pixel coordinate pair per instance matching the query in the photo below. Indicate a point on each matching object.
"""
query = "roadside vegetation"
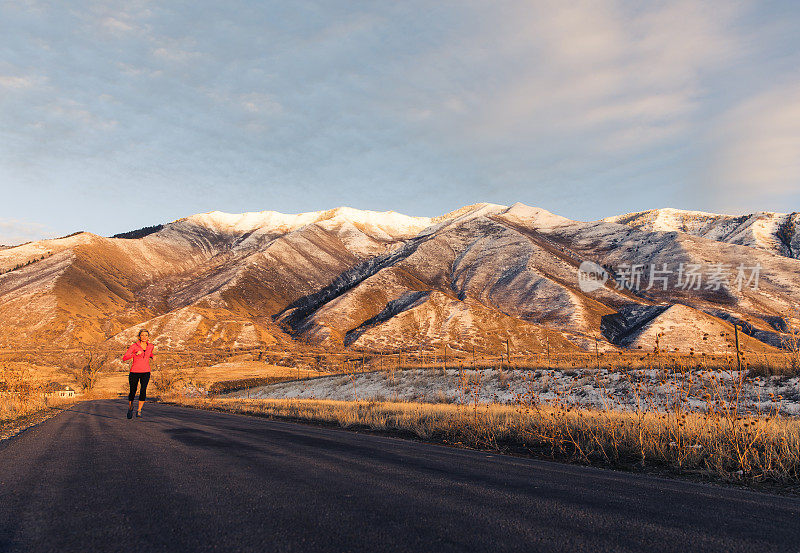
(733, 448)
(695, 419)
(24, 402)
(683, 412)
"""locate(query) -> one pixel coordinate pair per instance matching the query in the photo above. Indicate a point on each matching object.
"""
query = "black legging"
(136, 378)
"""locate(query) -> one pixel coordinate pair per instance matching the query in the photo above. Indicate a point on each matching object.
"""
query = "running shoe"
(130, 413)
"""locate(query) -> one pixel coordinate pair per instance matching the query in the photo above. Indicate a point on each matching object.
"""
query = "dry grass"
(734, 448)
(767, 362)
(173, 375)
(757, 363)
(12, 408)
(22, 402)
(241, 370)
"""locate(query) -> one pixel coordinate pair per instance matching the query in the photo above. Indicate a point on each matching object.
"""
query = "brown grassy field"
(112, 380)
(757, 363)
(26, 381)
(241, 370)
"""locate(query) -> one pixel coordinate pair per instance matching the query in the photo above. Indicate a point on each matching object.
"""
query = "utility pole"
(508, 353)
(444, 351)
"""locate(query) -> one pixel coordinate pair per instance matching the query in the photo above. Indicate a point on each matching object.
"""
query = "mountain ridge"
(477, 276)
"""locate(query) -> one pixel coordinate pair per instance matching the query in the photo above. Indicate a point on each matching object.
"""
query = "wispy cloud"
(116, 25)
(756, 157)
(609, 78)
(19, 82)
(14, 232)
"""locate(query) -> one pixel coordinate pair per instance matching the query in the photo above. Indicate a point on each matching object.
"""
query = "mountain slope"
(478, 276)
(774, 232)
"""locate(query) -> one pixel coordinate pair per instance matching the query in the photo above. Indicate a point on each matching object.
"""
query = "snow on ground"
(389, 223)
(761, 230)
(534, 217)
(583, 387)
(33, 251)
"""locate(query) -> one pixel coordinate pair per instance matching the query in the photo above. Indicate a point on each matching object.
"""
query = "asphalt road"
(186, 480)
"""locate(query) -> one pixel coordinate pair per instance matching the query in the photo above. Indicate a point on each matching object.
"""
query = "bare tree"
(790, 340)
(791, 345)
(86, 366)
(168, 376)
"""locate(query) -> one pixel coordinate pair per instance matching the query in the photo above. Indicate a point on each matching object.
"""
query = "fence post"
(738, 353)
(597, 352)
(547, 341)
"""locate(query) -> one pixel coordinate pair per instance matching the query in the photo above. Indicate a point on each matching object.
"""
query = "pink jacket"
(141, 357)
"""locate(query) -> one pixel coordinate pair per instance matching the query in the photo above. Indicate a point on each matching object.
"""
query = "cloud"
(173, 54)
(74, 112)
(256, 102)
(13, 82)
(619, 78)
(115, 25)
(14, 232)
(417, 106)
(756, 149)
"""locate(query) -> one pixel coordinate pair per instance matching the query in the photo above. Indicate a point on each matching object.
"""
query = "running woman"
(141, 351)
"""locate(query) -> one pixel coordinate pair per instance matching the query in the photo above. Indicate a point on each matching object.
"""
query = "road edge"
(696, 478)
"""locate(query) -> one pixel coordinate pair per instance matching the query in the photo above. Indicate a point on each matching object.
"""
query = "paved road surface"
(186, 480)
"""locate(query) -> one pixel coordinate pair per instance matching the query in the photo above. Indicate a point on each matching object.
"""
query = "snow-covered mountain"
(346, 278)
(774, 232)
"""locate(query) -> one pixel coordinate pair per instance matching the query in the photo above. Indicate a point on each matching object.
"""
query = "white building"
(54, 389)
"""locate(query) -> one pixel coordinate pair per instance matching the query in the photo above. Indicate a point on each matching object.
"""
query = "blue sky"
(117, 115)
